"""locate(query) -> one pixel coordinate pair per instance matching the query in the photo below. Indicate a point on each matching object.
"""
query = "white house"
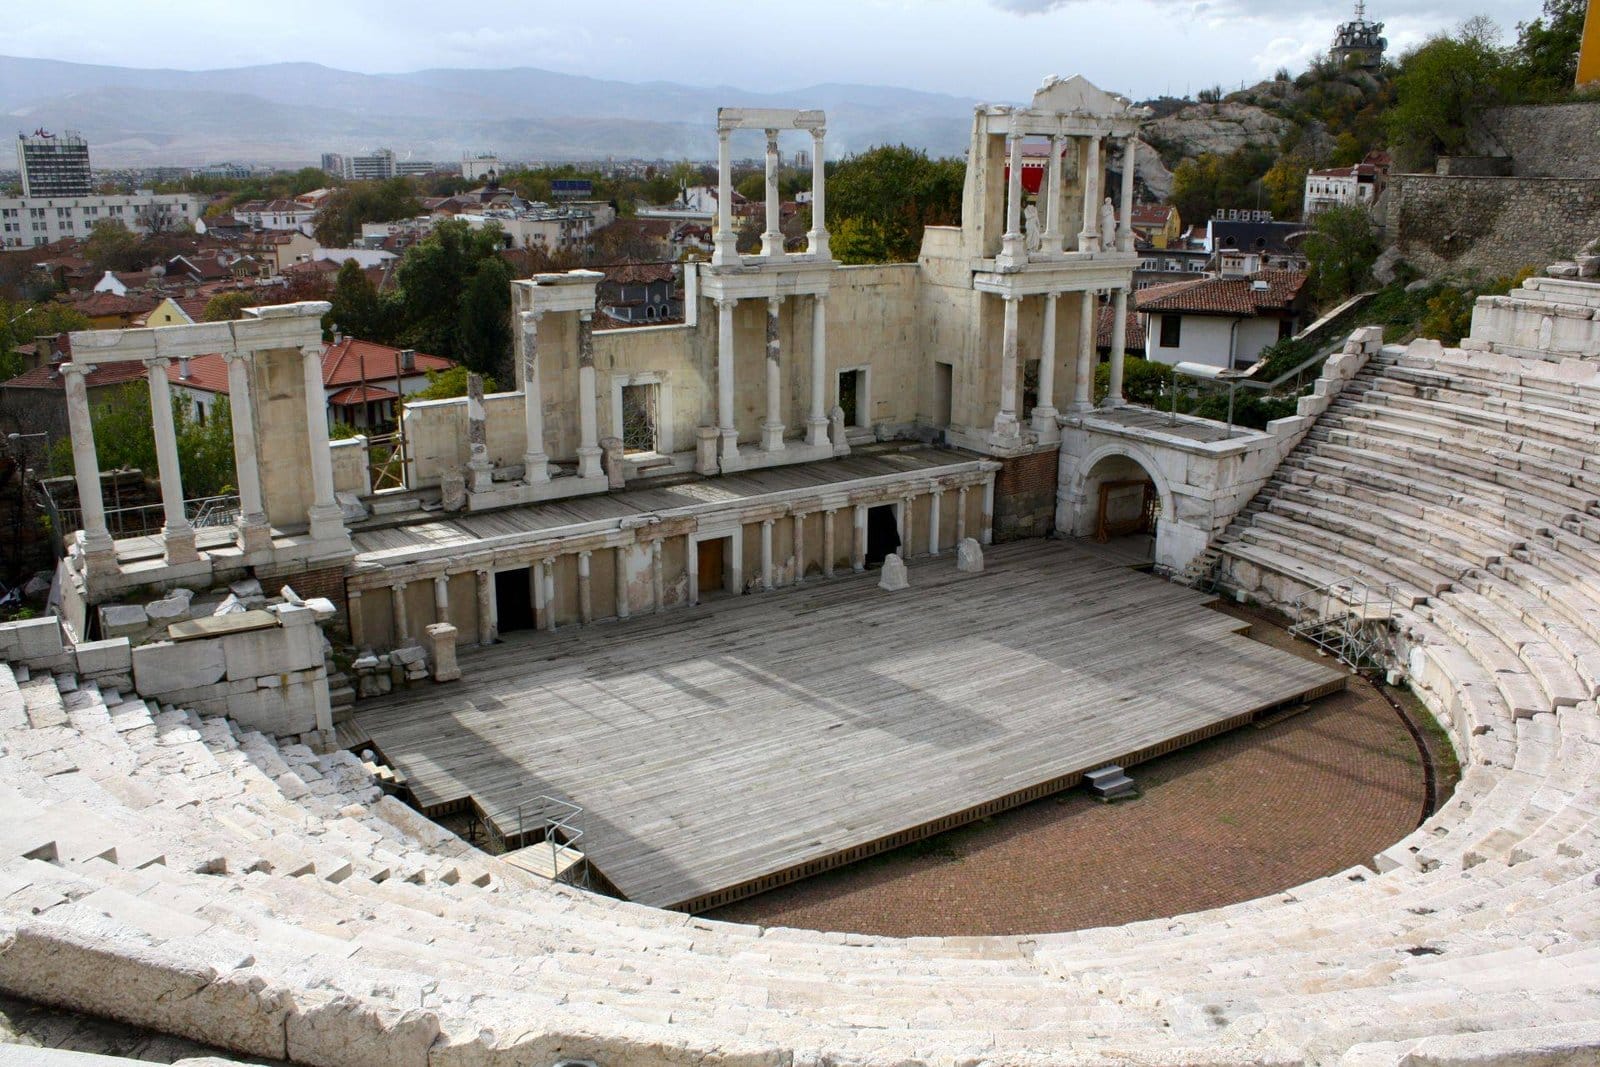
(1220, 322)
(1341, 185)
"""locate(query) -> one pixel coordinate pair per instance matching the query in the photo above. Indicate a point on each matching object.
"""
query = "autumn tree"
(342, 214)
(1342, 247)
(357, 310)
(453, 288)
(226, 307)
(1442, 87)
(881, 200)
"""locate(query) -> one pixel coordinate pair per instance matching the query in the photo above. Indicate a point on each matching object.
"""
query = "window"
(1171, 331)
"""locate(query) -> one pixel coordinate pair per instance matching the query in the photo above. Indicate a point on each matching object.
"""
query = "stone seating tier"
(185, 874)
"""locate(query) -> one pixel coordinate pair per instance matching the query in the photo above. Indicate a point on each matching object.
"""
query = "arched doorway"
(1121, 507)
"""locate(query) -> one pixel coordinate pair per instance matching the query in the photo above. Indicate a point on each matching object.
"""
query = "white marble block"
(442, 651)
(893, 577)
(969, 556)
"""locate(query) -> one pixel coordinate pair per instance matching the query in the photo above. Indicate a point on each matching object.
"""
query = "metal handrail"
(1332, 632)
(141, 519)
(557, 818)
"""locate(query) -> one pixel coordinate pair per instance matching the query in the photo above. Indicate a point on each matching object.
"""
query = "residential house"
(1158, 225)
(1335, 186)
(281, 214)
(640, 294)
(1221, 322)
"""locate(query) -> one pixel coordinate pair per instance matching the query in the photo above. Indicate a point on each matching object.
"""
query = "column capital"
(584, 554)
(723, 133)
(77, 369)
(530, 318)
(398, 587)
(772, 139)
(773, 304)
(586, 314)
(312, 351)
(1011, 298)
(233, 356)
(724, 301)
(818, 133)
(766, 524)
(156, 363)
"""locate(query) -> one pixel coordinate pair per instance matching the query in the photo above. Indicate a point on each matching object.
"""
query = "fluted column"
(726, 249)
(441, 598)
(772, 428)
(100, 555)
(935, 499)
(799, 539)
(1083, 379)
(725, 352)
(766, 555)
(1130, 156)
(1089, 237)
(535, 463)
(772, 237)
(323, 517)
(621, 556)
(585, 590)
(817, 421)
(817, 239)
(588, 413)
(402, 620)
(1005, 420)
(830, 548)
(1012, 247)
(658, 579)
(547, 579)
(177, 535)
(358, 626)
(1119, 345)
(1044, 413)
(986, 535)
(961, 514)
(693, 564)
(858, 547)
(486, 612)
(255, 533)
(1051, 240)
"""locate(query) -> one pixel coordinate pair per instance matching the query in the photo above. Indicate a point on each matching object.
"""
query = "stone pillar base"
(1044, 419)
(480, 479)
(729, 452)
(1079, 407)
(177, 544)
(1113, 402)
(442, 652)
(100, 560)
(589, 463)
(326, 522)
(817, 244)
(816, 432)
(254, 536)
(705, 450)
(535, 468)
(772, 437)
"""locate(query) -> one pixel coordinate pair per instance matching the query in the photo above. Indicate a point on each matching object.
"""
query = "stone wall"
(1554, 141)
(1025, 496)
(1490, 227)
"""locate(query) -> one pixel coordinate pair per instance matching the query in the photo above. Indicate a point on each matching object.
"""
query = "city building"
(54, 166)
(1221, 322)
(377, 165)
(29, 221)
(484, 167)
(279, 214)
(1359, 184)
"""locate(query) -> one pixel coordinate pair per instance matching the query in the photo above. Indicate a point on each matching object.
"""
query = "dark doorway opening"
(852, 384)
(883, 534)
(712, 560)
(513, 600)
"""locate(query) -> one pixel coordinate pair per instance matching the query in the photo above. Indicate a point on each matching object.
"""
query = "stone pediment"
(1078, 94)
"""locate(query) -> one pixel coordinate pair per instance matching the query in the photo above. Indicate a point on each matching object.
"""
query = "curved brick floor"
(1243, 815)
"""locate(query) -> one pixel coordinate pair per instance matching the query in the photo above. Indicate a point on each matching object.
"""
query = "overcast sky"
(989, 49)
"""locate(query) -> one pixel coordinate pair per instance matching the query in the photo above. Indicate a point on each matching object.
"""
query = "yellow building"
(1589, 54)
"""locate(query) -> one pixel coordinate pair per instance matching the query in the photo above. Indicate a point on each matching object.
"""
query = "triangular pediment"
(1077, 93)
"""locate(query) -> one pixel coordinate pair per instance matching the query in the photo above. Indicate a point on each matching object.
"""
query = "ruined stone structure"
(177, 864)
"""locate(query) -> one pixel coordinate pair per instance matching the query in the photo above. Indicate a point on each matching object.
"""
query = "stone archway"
(1118, 491)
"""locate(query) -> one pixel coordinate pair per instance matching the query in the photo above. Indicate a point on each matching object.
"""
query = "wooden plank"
(713, 747)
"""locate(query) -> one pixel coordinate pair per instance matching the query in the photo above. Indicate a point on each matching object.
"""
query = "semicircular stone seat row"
(186, 875)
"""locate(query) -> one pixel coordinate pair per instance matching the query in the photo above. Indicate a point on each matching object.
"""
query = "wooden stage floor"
(724, 749)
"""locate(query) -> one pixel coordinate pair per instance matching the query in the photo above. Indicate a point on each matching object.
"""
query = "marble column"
(402, 618)
(961, 514)
(177, 535)
(255, 533)
(772, 237)
(799, 538)
(541, 607)
(772, 427)
(535, 463)
(1044, 413)
(588, 414)
(323, 517)
(1013, 249)
(693, 562)
(1005, 420)
(766, 555)
(817, 238)
(486, 612)
(441, 598)
(1083, 377)
(902, 526)
(1051, 239)
(1119, 345)
(830, 548)
(736, 561)
(729, 451)
(480, 469)
(1130, 156)
(726, 248)
(358, 628)
(858, 548)
(935, 500)
(100, 555)
(658, 579)
(817, 421)
(624, 609)
(548, 581)
(585, 592)
(986, 535)
(1089, 237)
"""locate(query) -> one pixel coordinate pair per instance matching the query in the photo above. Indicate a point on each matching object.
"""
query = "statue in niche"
(1033, 238)
(1108, 226)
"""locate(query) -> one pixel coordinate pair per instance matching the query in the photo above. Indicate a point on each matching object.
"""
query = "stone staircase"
(182, 874)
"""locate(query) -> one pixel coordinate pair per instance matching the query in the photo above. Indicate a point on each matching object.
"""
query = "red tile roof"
(1133, 342)
(48, 376)
(1237, 297)
(208, 374)
(351, 361)
(358, 394)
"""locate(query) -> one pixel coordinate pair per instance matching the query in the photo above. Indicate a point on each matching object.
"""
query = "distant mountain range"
(290, 113)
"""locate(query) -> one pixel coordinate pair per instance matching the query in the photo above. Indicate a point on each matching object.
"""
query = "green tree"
(433, 278)
(483, 330)
(112, 246)
(445, 384)
(357, 310)
(226, 307)
(893, 192)
(1342, 247)
(124, 439)
(1546, 54)
(342, 214)
(21, 323)
(1441, 89)
(1196, 187)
